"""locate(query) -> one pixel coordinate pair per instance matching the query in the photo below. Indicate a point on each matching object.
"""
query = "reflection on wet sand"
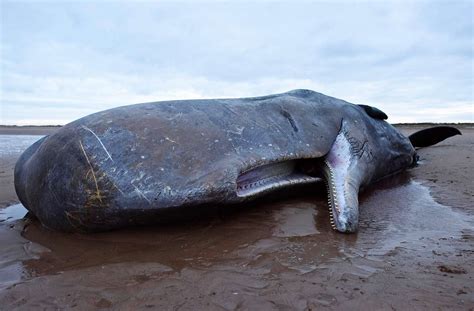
(12, 213)
(272, 254)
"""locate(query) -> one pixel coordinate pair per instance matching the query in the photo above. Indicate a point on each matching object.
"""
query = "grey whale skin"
(132, 164)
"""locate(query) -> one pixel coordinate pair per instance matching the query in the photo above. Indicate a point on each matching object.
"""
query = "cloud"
(61, 61)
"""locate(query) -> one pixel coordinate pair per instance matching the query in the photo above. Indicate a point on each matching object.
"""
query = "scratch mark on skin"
(70, 216)
(93, 174)
(54, 194)
(176, 116)
(169, 139)
(100, 141)
(238, 131)
(116, 187)
(104, 176)
(141, 193)
(231, 110)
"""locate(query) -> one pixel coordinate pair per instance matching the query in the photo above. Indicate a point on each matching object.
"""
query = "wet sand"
(414, 250)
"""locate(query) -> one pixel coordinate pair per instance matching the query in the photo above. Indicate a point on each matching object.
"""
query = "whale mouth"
(339, 168)
(272, 176)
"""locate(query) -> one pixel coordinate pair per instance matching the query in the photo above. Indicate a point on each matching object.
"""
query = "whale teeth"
(332, 194)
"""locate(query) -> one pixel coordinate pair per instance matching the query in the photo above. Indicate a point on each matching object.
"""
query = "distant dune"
(427, 124)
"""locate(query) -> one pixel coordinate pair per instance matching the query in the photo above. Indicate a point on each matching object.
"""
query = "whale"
(133, 165)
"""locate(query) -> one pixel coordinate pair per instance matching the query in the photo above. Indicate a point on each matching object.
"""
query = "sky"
(62, 60)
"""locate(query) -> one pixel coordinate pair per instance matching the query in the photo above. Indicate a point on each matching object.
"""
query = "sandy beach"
(414, 249)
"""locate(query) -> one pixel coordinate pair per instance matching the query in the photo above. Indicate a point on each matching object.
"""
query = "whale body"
(130, 165)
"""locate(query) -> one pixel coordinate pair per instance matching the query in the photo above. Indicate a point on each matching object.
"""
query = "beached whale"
(130, 165)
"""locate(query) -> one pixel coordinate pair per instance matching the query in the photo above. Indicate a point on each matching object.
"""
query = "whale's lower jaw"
(342, 177)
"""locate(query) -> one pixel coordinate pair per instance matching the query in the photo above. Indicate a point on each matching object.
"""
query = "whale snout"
(348, 226)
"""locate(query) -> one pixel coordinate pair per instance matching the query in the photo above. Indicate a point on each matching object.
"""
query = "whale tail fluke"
(432, 136)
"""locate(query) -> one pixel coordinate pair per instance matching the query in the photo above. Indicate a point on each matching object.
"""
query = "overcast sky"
(64, 60)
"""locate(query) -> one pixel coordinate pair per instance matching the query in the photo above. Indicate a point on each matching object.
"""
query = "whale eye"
(374, 112)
